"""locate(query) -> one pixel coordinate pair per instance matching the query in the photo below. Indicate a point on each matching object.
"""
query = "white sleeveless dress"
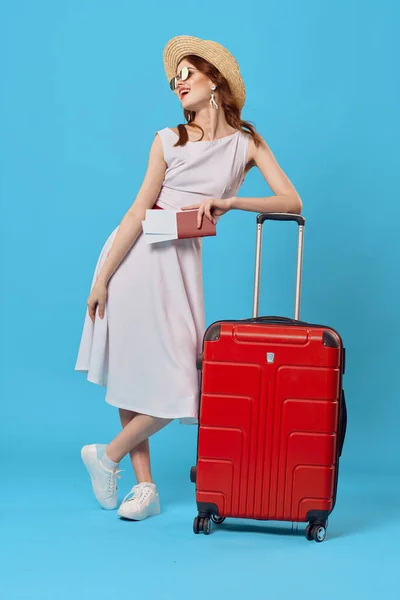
(144, 350)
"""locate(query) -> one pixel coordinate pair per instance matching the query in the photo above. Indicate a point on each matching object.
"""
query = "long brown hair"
(226, 100)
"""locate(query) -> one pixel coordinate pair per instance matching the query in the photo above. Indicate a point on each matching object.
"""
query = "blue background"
(83, 91)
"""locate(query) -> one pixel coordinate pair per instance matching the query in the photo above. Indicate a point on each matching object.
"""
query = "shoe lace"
(138, 493)
(112, 479)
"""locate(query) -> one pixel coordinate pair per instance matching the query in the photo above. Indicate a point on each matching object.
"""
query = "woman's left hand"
(211, 208)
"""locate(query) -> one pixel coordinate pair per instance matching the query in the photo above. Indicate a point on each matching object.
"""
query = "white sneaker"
(104, 481)
(141, 502)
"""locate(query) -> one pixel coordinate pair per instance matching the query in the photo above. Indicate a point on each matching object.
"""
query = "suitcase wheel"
(196, 525)
(202, 525)
(217, 520)
(316, 532)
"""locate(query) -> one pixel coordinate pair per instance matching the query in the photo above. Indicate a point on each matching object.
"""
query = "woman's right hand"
(97, 299)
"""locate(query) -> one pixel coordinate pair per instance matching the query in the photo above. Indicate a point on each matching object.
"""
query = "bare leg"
(140, 456)
(139, 429)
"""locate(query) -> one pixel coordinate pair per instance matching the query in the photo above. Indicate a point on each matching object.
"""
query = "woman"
(145, 320)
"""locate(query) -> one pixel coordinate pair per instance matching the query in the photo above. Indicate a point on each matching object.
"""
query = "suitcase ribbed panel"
(306, 425)
(228, 416)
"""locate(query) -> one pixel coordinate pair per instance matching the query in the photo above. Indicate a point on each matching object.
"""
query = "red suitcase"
(272, 417)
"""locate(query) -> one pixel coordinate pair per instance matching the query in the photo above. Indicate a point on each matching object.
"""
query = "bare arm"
(130, 227)
(286, 198)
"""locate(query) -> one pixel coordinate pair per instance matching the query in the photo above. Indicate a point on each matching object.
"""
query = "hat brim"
(184, 45)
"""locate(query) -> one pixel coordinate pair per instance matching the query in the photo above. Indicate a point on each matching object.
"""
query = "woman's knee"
(126, 416)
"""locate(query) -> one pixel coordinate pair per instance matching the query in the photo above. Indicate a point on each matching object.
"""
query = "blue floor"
(57, 544)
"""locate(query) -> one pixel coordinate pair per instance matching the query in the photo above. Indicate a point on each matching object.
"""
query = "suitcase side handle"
(342, 424)
(300, 220)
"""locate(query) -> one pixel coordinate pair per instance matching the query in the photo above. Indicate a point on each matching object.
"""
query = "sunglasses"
(183, 75)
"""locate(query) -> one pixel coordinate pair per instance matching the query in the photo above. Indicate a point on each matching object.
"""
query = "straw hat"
(214, 53)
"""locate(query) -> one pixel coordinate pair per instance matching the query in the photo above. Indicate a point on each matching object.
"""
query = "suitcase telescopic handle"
(300, 220)
(280, 217)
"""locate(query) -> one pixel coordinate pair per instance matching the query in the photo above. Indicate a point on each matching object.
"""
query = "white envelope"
(160, 226)
(153, 238)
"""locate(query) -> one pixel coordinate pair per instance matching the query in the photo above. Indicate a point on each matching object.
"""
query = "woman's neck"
(213, 122)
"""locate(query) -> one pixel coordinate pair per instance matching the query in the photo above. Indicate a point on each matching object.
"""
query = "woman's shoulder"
(168, 131)
(255, 146)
